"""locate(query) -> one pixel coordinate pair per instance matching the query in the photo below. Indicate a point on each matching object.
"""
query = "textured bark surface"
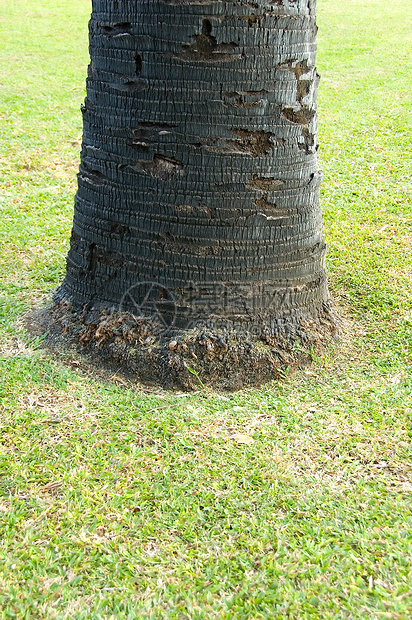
(199, 170)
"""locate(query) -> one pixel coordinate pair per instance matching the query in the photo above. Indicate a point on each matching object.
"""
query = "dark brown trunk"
(199, 184)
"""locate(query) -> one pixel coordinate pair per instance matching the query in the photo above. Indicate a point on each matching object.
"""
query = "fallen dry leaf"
(243, 439)
(52, 487)
(119, 380)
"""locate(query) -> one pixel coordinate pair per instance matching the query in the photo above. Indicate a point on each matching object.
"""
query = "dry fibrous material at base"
(184, 359)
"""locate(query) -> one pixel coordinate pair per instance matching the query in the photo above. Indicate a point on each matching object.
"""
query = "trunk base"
(190, 359)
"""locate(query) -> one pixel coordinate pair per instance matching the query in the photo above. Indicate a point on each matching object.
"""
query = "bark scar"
(207, 48)
(253, 143)
(116, 29)
(93, 176)
(265, 184)
(161, 167)
(303, 117)
(243, 99)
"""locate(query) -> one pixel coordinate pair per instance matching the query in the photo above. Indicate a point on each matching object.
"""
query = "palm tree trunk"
(199, 169)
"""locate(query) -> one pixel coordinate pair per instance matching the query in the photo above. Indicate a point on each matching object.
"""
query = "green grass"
(157, 512)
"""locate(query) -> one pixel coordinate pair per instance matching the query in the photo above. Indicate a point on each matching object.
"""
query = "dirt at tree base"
(186, 359)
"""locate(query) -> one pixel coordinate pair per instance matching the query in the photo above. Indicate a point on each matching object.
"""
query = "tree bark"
(198, 187)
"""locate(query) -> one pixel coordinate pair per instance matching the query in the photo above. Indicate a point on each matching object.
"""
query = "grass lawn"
(123, 502)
